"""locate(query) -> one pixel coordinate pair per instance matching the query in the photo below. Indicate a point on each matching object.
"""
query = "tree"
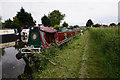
(15, 19)
(16, 23)
(55, 17)
(11, 24)
(45, 21)
(71, 26)
(65, 24)
(75, 26)
(89, 23)
(105, 25)
(96, 25)
(112, 24)
(7, 23)
(0, 22)
(118, 24)
(25, 18)
(0, 18)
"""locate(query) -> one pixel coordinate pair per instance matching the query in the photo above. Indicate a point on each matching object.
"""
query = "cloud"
(77, 11)
(21, 0)
(96, 1)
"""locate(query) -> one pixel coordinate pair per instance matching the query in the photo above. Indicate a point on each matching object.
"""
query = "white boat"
(7, 34)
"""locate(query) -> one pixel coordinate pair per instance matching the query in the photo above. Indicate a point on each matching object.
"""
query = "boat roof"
(48, 29)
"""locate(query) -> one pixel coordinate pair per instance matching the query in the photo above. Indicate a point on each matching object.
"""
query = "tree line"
(53, 19)
(22, 19)
(91, 24)
(25, 19)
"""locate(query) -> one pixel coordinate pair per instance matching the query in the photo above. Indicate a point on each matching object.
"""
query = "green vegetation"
(66, 62)
(93, 55)
(75, 26)
(53, 61)
(22, 19)
(112, 24)
(54, 18)
(0, 23)
(25, 18)
(104, 57)
(89, 23)
(45, 20)
(7, 23)
(57, 27)
(65, 24)
(96, 25)
(118, 24)
(38, 62)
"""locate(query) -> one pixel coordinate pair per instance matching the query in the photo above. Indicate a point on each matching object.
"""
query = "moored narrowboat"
(8, 34)
(43, 37)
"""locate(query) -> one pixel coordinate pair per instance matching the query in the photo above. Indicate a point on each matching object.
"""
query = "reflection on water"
(8, 44)
(11, 66)
(27, 75)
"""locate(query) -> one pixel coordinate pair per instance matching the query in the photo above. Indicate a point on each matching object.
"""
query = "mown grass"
(68, 61)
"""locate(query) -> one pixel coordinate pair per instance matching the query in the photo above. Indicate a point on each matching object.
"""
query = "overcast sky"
(77, 11)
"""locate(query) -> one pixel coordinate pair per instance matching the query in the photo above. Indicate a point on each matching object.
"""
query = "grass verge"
(103, 54)
(68, 61)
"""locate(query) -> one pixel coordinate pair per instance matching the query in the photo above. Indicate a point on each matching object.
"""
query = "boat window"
(6, 32)
(42, 34)
(49, 37)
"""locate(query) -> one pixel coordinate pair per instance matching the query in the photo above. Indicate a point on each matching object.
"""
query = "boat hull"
(8, 37)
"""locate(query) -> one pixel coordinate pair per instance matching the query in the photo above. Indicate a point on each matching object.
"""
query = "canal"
(11, 66)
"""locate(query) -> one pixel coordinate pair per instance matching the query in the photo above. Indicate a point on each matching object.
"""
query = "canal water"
(11, 66)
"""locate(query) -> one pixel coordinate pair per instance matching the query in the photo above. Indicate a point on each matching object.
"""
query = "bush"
(112, 24)
(96, 25)
(57, 26)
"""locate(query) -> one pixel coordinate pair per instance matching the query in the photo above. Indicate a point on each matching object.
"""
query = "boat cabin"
(42, 36)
